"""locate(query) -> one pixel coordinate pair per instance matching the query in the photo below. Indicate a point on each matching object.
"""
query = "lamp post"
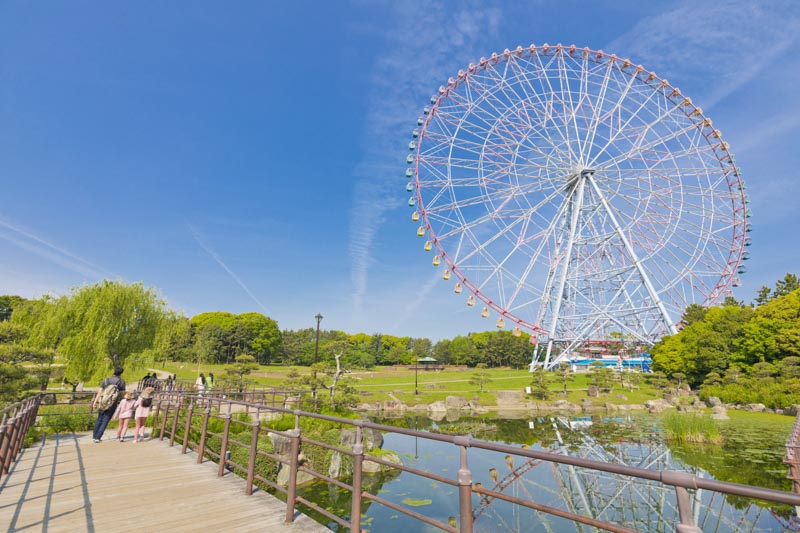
(316, 356)
(416, 376)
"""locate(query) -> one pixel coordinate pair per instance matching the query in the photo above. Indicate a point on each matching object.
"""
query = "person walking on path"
(210, 381)
(105, 401)
(124, 412)
(143, 405)
(200, 384)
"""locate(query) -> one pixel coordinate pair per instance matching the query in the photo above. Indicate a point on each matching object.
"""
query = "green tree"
(243, 366)
(96, 327)
(763, 295)
(481, 377)
(693, 313)
(540, 383)
(788, 284)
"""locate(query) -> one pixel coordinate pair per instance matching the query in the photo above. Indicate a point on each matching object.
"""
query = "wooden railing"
(185, 418)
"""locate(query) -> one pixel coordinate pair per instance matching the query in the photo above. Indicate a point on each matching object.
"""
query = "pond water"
(751, 454)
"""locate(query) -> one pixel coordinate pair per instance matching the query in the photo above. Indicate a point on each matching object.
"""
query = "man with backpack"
(106, 400)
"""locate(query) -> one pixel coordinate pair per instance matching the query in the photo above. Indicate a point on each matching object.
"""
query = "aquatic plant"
(692, 428)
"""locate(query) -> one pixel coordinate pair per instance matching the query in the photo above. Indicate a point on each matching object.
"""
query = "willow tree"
(97, 327)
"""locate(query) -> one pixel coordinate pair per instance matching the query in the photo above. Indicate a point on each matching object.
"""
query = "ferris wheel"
(577, 196)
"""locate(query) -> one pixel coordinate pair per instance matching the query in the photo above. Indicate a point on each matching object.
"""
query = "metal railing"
(792, 457)
(177, 414)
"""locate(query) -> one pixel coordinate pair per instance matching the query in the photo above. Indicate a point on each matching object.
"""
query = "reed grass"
(691, 428)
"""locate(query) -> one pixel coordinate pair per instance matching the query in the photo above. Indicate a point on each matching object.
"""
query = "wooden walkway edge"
(68, 483)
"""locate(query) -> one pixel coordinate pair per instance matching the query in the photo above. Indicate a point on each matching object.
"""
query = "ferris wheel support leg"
(636, 261)
(576, 204)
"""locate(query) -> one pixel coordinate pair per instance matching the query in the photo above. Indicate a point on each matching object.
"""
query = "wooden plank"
(69, 483)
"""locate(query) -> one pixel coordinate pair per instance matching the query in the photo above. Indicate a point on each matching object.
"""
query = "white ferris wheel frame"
(590, 169)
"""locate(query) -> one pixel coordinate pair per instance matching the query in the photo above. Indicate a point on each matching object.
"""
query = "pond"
(751, 453)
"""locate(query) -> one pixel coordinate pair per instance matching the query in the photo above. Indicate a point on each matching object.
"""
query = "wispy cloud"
(716, 46)
(25, 239)
(421, 53)
(215, 256)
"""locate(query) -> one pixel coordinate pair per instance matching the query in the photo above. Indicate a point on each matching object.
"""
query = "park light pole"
(416, 376)
(316, 356)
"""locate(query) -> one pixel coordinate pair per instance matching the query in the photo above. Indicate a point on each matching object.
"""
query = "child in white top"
(124, 412)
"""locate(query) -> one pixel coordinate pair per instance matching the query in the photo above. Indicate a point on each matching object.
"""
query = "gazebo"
(427, 362)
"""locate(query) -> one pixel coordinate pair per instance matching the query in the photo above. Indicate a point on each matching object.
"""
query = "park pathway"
(68, 483)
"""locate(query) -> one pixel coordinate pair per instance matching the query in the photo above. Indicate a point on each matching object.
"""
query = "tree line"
(740, 353)
(82, 335)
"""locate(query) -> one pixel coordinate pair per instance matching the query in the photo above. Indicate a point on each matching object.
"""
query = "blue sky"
(248, 156)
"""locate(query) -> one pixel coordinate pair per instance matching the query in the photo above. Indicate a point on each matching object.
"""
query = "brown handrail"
(679, 481)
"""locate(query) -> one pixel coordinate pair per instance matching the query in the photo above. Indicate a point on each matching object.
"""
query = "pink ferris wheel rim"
(712, 146)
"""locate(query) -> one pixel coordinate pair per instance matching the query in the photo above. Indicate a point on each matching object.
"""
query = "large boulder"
(391, 405)
(564, 405)
(755, 407)
(713, 401)
(593, 391)
(718, 412)
(456, 403)
(371, 467)
(658, 406)
(437, 407)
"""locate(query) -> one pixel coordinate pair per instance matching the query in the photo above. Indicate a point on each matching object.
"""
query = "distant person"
(210, 381)
(143, 405)
(105, 401)
(124, 412)
(200, 384)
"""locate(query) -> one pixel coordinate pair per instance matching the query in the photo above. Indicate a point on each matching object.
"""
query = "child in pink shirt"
(124, 412)
(143, 405)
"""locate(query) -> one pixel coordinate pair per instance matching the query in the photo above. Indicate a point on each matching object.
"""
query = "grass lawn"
(389, 383)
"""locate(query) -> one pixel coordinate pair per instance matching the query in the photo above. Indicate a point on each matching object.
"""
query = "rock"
(419, 407)
(755, 407)
(631, 407)
(437, 407)
(455, 403)
(657, 406)
(391, 405)
(510, 399)
(371, 467)
(780, 411)
(280, 445)
(621, 397)
(612, 407)
(713, 401)
(718, 412)
(792, 410)
(371, 438)
(593, 391)
(684, 408)
(564, 405)
(302, 477)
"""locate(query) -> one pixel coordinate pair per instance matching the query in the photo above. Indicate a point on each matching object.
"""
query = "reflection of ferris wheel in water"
(578, 196)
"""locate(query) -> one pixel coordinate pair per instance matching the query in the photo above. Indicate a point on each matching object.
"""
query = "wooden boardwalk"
(68, 483)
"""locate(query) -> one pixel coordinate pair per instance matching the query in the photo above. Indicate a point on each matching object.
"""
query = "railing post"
(224, 448)
(203, 433)
(358, 463)
(251, 464)
(8, 455)
(464, 488)
(164, 422)
(294, 459)
(186, 431)
(685, 509)
(158, 412)
(5, 446)
(175, 422)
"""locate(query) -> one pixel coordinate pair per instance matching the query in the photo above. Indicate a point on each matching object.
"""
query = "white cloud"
(422, 52)
(716, 46)
(27, 240)
(206, 248)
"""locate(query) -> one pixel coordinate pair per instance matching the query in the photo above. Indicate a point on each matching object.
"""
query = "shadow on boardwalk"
(68, 483)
